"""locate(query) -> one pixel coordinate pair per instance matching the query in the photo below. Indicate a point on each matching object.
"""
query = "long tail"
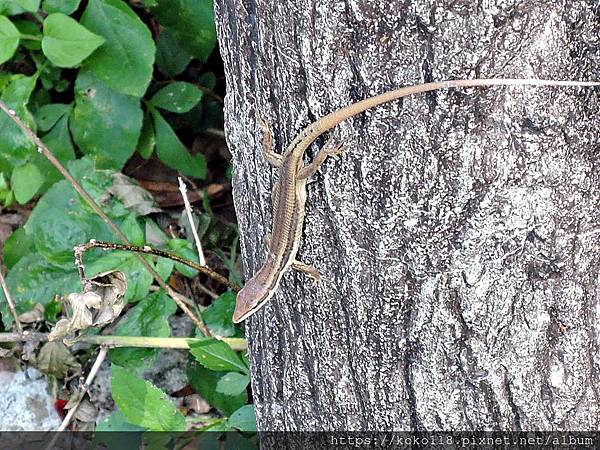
(331, 120)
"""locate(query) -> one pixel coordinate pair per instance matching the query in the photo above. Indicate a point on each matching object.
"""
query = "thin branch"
(146, 249)
(188, 210)
(238, 344)
(44, 150)
(10, 302)
(83, 389)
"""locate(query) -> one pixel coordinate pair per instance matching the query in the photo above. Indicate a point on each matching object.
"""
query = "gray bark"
(459, 231)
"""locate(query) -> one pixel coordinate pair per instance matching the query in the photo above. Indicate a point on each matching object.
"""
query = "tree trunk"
(458, 232)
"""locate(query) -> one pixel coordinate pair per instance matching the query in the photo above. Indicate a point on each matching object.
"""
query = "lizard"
(289, 195)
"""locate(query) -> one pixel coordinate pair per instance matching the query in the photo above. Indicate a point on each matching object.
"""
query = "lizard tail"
(329, 121)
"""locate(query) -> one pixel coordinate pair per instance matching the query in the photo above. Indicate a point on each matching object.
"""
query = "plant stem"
(11, 304)
(238, 344)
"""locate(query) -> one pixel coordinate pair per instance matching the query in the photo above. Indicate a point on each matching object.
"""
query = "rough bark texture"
(460, 231)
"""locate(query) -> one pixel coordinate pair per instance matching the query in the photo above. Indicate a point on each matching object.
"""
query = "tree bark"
(458, 232)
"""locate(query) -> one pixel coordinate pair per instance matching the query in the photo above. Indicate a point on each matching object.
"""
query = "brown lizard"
(289, 194)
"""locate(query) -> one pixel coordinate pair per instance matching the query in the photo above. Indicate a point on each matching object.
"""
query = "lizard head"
(250, 299)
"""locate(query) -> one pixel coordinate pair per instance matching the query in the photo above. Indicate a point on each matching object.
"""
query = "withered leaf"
(134, 197)
(34, 315)
(100, 303)
(55, 359)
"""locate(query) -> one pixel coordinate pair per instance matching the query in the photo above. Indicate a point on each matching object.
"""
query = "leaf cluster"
(99, 81)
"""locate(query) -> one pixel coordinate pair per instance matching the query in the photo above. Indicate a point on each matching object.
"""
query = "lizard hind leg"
(331, 148)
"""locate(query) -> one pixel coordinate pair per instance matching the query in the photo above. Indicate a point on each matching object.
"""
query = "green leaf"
(58, 140)
(9, 39)
(65, 42)
(217, 316)
(26, 180)
(133, 230)
(233, 383)
(62, 220)
(53, 310)
(10, 8)
(60, 6)
(204, 382)
(143, 403)
(47, 116)
(177, 97)
(192, 23)
(150, 317)
(126, 59)
(171, 58)
(105, 123)
(15, 147)
(16, 247)
(173, 153)
(183, 248)
(117, 422)
(34, 280)
(217, 355)
(244, 419)
(145, 146)
(29, 5)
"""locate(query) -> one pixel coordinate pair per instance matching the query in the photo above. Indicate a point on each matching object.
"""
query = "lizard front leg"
(270, 155)
(331, 148)
(308, 269)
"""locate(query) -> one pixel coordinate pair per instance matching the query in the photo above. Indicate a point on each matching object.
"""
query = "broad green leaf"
(143, 403)
(217, 316)
(47, 116)
(125, 60)
(150, 317)
(192, 23)
(62, 220)
(173, 153)
(217, 355)
(244, 419)
(233, 383)
(26, 180)
(9, 39)
(34, 280)
(118, 422)
(16, 247)
(65, 42)
(177, 97)
(10, 8)
(204, 382)
(60, 6)
(105, 123)
(171, 58)
(15, 147)
(145, 146)
(133, 230)
(58, 140)
(183, 248)
(138, 278)
(29, 5)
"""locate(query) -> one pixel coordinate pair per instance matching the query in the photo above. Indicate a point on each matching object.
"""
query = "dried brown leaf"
(100, 303)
